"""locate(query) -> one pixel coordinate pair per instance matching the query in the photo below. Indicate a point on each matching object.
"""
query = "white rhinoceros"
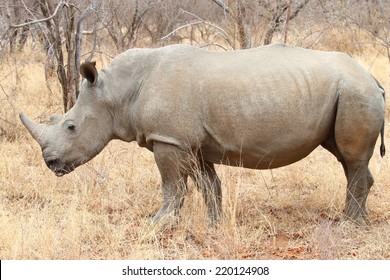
(259, 108)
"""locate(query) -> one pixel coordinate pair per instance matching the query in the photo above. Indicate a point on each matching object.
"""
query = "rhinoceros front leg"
(170, 160)
(207, 181)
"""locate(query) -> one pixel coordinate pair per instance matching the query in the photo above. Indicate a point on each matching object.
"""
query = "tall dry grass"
(100, 210)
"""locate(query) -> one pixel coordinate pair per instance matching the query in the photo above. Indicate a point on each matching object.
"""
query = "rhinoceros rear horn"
(89, 72)
(35, 129)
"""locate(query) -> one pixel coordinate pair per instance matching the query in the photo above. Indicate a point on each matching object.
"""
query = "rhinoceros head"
(74, 138)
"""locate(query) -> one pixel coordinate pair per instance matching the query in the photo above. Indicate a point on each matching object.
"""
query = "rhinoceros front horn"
(35, 129)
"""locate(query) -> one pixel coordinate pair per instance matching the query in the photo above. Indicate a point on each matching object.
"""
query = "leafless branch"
(79, 30)
(223, 5)
(202, 21)
(103, 53)
(60, 5)
(287, 21)
(181, 27)
(92, 52)
(212, 43)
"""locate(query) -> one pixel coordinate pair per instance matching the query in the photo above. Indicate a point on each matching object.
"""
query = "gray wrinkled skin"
(260, 108)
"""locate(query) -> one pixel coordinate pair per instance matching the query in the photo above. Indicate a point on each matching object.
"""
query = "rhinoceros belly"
(264, 131)
(258, 148)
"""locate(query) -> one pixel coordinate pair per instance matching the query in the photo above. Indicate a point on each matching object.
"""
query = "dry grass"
(100, 211)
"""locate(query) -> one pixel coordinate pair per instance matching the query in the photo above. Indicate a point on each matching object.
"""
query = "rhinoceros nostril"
(51, 163)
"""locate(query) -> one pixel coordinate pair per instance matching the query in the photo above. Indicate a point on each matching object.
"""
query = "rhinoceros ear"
(89, 72)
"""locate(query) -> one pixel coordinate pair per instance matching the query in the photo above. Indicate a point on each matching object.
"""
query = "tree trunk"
(242, 34)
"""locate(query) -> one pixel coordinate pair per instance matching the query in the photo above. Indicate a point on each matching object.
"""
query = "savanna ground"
(101, 210)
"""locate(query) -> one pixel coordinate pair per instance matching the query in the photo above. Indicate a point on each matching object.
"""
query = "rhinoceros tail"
(382, 147)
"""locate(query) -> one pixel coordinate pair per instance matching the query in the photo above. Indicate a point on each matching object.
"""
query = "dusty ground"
(100, 211)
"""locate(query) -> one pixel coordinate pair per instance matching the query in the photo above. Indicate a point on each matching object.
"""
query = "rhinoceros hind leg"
(357, 192)
(353, 147)
(355, 201)
(357, 127)
(370, 182)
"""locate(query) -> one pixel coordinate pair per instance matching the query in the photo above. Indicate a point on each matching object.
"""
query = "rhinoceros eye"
(71, 127)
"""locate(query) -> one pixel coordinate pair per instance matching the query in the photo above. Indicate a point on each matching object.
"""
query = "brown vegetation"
(101, 210)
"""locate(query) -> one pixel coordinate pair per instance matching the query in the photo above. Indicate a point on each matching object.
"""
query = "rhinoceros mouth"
(63, 171)
(59, 168)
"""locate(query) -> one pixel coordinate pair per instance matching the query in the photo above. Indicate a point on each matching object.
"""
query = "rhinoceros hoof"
(165, 221)
(360, 220)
